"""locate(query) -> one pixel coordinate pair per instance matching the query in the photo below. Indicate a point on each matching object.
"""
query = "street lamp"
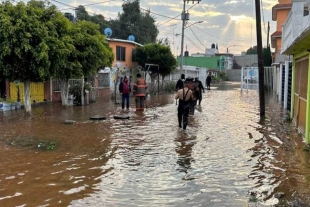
(193, 24)
(229, 47)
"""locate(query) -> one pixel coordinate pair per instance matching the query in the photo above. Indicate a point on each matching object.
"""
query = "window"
(56, 85)
(103, 80)
(120, 53)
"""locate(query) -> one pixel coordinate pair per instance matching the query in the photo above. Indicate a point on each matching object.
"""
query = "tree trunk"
(64, 91)
(27, 101)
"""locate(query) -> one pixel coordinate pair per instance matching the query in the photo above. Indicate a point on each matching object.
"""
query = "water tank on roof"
(69, 16)
(186, 53)
(213, 46)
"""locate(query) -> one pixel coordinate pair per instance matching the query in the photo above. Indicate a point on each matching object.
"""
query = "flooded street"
(226, 157)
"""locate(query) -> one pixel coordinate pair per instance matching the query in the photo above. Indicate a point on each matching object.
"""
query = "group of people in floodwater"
(188, 91)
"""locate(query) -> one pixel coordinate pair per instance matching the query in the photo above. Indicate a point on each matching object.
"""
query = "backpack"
(185, 104)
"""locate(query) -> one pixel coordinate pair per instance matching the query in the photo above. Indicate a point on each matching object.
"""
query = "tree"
(157, 54)
(267, 56)
(82, 14)
(93, 51)
(62, 53)
(252, 50)
(78, 50)
(24, 51)
(99, 19)
(134, 22)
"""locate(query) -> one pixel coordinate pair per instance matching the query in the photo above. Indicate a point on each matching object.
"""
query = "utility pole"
(260, 60)
(268, 30)
(184, 18)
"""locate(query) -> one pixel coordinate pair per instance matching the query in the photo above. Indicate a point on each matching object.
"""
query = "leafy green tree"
(134, 22)
(267, 56)
(93, 51)
(82, 14)
(77, 50)
(62, 53)
(252, 50)
(24, 51)
(157, 54)
(99, 19)
(164, 41)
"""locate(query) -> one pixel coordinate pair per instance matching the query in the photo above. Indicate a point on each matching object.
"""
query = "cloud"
(226, 22)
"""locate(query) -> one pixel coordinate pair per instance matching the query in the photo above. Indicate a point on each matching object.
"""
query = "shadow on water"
(226, 157)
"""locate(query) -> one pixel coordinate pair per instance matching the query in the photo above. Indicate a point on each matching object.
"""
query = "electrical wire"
(262, 8)
(86, 5)
(196, 37)
(193, 43)
(175, 16)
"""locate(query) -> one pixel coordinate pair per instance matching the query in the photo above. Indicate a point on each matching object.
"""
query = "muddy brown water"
(226, 157)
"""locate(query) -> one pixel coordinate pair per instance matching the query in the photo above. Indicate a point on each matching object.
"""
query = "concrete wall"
(234, 75)
(246, 60)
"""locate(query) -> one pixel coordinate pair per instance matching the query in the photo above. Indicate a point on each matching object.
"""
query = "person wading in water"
(180, 83)
(139, 90)
(185, 96)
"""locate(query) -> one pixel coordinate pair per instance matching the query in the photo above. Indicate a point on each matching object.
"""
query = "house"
(296, 42)
(103, 81)
(282, 72)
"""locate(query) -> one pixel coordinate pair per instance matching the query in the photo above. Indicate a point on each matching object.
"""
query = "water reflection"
(226, 157)
(184, 144)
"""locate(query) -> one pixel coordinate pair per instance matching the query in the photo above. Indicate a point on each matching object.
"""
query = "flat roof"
(126, 41)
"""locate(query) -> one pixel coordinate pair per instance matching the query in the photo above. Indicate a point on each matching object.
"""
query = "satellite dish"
(131, 38)
(108, 32)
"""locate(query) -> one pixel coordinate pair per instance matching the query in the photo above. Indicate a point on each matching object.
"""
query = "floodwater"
(226, 157)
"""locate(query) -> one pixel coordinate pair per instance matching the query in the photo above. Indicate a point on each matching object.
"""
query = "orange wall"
(285, 1)
(281, 18)
(128, 51)
(278, 45)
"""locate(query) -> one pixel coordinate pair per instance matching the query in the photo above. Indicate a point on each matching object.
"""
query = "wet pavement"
(226, 157)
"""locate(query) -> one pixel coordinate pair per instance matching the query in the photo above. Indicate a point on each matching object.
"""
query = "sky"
(229, 23)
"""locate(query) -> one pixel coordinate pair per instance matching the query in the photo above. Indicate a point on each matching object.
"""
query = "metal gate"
(283, 85)
(289, 88)
(36, 92)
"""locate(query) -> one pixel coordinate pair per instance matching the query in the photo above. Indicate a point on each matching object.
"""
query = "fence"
(250, 78)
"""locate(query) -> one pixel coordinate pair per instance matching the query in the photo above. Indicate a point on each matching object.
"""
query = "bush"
(223, 76)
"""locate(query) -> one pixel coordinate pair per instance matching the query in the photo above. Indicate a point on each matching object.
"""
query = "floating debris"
(97, 117)
(121, 117)
(69, 122)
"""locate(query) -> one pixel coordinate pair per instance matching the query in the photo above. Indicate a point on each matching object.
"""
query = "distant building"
(212, 51)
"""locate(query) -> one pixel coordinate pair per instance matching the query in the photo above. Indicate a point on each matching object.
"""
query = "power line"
(193, 43)
(175, 17)
(156, 13)
(263, 15)
(196, 37)
(221, 38)
(86, 4)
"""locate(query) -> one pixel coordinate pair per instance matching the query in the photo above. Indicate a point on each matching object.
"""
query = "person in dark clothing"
(208, 81)
(180, 83)
(201, 89)
(185, 96)
(124, 89)
(194, 88)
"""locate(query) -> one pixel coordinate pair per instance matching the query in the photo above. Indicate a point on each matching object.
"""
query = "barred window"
(120, 53)
(103, 80)
(56, 85)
